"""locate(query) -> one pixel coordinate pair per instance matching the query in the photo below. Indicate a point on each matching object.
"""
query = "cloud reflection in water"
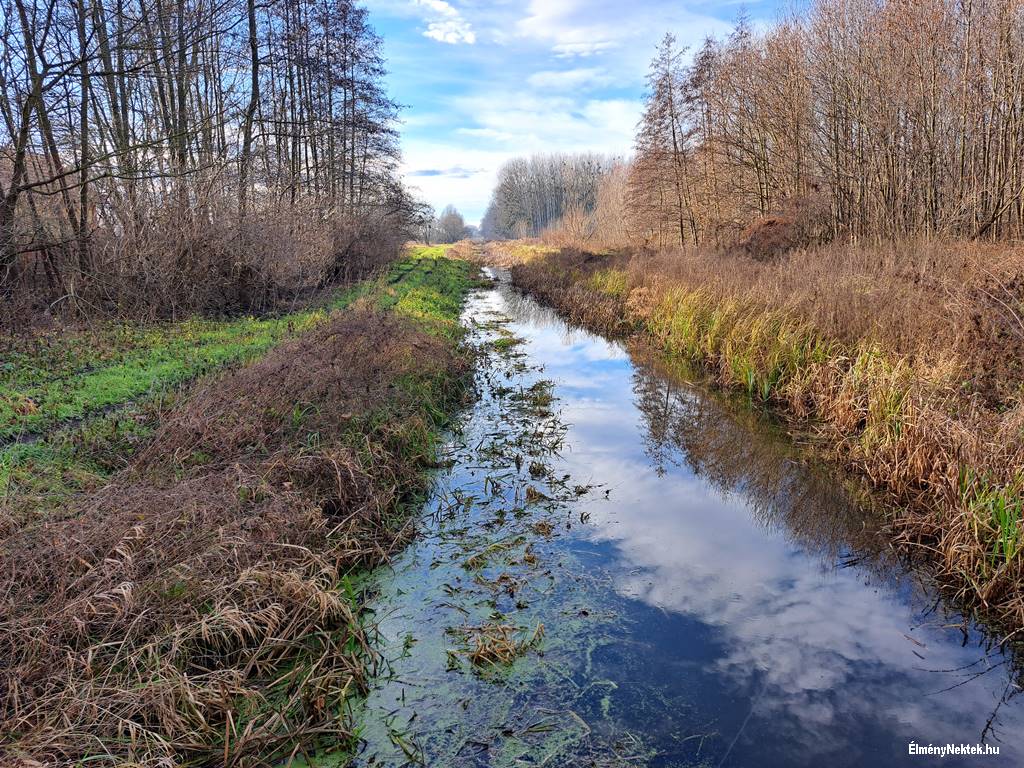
(717, 519)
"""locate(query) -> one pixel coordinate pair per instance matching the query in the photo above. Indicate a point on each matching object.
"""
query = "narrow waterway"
(617, 567)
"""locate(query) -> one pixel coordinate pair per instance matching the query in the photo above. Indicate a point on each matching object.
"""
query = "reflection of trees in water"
(734, 450)
(737, 452)
(526, 310)
(656, 398)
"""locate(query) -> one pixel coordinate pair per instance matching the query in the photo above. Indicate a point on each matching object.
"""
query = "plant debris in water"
(473, 588)
(492, 644)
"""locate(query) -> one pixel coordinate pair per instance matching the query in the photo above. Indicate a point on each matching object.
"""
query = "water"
(704, 596)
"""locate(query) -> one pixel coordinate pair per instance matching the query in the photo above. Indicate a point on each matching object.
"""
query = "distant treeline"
(857, 118)
(164, 157)
(447, 227)
(534, 193)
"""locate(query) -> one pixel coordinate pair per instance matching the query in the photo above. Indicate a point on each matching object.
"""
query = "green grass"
(614, 282)
(997, 512)
(753, 349)
(36, 476)
(74, 408)
(770, 354)
(428, 288)
(73, 376)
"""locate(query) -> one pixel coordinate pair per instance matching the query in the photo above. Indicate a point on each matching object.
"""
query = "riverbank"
(922, 397)
(75, 404)
(619, 565)
(197, 605)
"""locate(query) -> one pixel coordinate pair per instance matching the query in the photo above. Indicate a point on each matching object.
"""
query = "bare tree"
(124, 119)
(450, 226)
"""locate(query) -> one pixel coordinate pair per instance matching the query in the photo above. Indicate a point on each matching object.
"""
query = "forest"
(857, 120)
(563, 416)
(173, 157)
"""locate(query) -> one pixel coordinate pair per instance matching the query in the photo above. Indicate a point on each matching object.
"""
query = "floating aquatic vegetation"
(543, 528)
(492, 644)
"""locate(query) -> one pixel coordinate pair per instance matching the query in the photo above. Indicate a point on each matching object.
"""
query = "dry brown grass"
(467, 250)
(175, 262)
(191, 608)
(930, 302)
(494, 644)
(508, 253)
(905, 360)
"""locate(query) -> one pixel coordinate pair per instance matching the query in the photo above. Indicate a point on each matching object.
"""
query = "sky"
(483, 81)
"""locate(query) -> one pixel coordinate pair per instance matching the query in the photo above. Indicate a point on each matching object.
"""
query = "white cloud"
(454, 172)
(487, 133)
(590, 28)
(445, 24)
(531, 122)
(583, 48)
(570, 26)
(584, 78)
(617, 117)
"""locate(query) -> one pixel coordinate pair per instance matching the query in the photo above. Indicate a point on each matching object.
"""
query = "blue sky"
(486, 81)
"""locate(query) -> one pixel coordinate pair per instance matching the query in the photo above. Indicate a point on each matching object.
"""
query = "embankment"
(76, 404)
(906, 370)
(200, 606)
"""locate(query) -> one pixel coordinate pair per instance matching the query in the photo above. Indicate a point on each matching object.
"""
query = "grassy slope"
(957, 485)
(70, 376)
(73, 408)
(388, 441)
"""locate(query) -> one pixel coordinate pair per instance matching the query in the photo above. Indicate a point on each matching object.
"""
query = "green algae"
(487, 556)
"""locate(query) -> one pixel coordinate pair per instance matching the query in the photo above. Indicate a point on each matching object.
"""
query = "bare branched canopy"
(147, 145)
(534, 193)
(871, 119)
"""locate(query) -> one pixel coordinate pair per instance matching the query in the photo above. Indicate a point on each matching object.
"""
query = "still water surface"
(708, 596)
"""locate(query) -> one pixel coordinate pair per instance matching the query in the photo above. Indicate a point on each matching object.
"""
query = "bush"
(172, 261)
(802, 223)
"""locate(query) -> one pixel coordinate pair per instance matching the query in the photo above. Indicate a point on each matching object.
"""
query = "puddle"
(620, 568)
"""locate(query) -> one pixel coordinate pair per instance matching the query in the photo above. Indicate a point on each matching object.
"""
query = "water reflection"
(731, 553)
(726, 603)
(736, 449)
